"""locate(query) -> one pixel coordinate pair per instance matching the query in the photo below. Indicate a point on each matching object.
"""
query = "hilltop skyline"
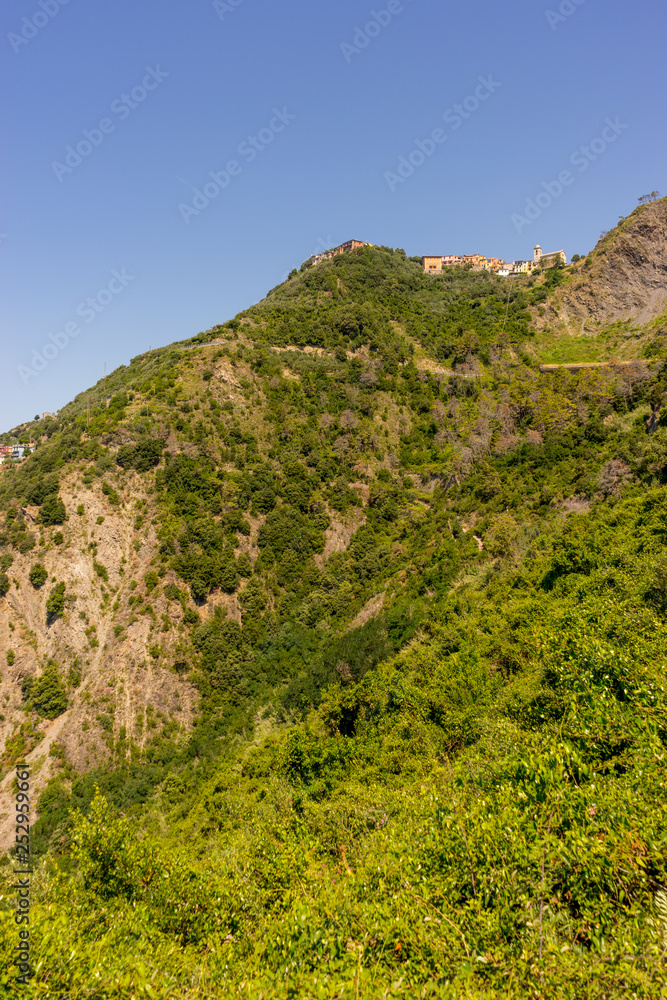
(216, 147)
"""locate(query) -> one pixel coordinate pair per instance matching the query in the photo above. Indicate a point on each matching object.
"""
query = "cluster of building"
(475, 261)
(14, 451)
(343, 248)
(17, 452)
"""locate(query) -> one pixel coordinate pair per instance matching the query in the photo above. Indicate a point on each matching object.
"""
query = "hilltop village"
(474, 261)
(433, 264)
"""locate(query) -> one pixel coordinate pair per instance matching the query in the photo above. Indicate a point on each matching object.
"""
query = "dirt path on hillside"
(576, 366)
(370, 610)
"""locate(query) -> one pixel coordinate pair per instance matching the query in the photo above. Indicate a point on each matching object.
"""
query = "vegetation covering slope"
(418, 588)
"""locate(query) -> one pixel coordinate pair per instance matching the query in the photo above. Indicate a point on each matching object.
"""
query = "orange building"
(351, 245)
(474, 260)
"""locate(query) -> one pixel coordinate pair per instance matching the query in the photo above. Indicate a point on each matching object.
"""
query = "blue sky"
(105, 250)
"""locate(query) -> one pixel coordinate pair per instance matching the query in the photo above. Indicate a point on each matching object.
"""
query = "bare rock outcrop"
(625, 277)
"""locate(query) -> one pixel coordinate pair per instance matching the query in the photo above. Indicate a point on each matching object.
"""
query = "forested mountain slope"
(358, 617)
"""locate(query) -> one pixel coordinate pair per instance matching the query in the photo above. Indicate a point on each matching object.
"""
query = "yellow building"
(432, 265)
(522, 266)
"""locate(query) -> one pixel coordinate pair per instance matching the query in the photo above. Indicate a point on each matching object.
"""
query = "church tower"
(537, 254)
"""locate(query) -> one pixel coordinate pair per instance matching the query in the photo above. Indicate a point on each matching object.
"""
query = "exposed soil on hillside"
(123, 656)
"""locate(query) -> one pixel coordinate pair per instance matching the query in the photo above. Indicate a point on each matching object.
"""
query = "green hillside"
(419, 586)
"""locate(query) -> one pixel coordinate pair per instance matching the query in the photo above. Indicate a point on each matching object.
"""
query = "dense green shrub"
(142, 456)
(47, 693)
(101, 570)
(110, 493)
(38, 575)
(52, 511)
(287, 530)
(55, 604)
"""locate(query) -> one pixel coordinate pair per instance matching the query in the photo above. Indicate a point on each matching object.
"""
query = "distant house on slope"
(432, 265)
(522, 266)
(13, 451)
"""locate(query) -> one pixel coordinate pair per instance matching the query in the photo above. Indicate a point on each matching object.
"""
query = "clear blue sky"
(349, 109)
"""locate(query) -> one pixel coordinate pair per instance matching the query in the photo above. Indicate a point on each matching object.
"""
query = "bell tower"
(537, 254)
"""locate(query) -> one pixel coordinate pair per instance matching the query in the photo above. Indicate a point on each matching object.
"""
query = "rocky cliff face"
(115, 660)
(625, 277)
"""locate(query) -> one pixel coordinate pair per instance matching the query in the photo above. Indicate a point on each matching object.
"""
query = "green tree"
(55, 604)
(47, 693)
(199, 590)
(38, 576)
(52, 511)
(501, 537)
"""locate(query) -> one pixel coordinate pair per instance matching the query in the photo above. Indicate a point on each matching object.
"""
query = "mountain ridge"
(313, 587)
(229, 369)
